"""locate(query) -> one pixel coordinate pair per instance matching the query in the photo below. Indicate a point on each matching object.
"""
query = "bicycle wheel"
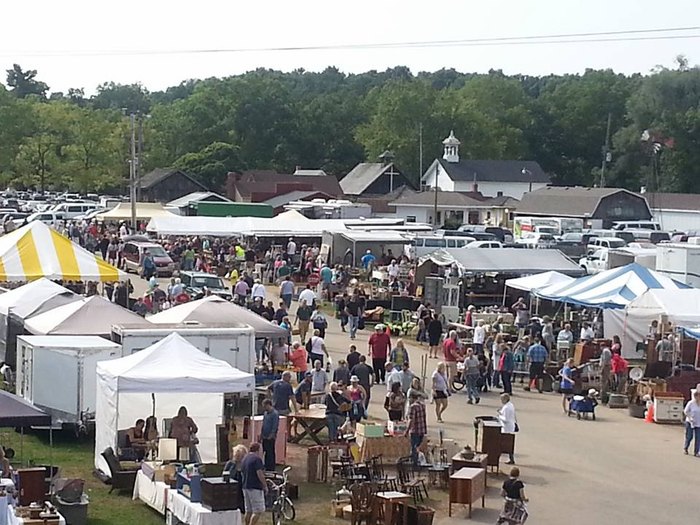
(458, 383)
(287, 510)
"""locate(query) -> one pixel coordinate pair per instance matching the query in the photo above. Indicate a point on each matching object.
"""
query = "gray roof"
(160, 174)
(674, 201)
(507, 260)
(362, 175)
(565, 201)
(197, 196)
(495, 171)
(312, 173)
(450, 198)
(280, 200)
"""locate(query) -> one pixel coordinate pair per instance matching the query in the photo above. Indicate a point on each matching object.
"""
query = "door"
(227, 349)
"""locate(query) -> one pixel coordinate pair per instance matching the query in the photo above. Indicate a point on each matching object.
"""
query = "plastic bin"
(74, 513)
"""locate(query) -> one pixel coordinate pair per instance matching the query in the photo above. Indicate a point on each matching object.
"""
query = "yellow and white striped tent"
(36, 250)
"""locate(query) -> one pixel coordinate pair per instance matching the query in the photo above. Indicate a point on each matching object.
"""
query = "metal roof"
(196, 196)
(361, 176)
(565, 201)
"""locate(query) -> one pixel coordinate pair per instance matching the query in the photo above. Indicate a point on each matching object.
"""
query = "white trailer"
(236, 346)
(57, 373)
(680, 261)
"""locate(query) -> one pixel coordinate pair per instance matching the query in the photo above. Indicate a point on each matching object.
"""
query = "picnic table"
(312, 420)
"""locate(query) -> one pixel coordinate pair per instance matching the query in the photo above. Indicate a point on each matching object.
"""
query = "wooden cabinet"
(467, 485)
(32, 486)
(218, 494)
(668, 407)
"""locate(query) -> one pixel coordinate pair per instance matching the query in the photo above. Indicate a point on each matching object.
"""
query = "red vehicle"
(133, 254)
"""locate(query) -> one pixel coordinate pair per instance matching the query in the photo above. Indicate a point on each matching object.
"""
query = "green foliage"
(330, 120)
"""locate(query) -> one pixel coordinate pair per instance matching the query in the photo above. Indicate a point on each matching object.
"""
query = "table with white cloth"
(152, 493)
(12, 519)
(181, 509)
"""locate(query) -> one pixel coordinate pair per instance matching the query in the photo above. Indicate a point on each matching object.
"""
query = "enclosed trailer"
(236, 345)
(57, 374)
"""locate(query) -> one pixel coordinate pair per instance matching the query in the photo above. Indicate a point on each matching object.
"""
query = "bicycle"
(282, 507)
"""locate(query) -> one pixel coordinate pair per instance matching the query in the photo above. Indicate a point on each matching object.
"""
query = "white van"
(636, 225)
(47, 217)
(421, 246)
(71, 210)
(605, 242)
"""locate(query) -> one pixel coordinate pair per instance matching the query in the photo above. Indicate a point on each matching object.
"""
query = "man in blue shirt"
(537, 356)
(268, 434)
(282, 393)
(368, 260)
(287, 291)
(254, 485)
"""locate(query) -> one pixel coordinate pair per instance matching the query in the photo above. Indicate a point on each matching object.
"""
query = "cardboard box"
(369, 430)
(397, 428)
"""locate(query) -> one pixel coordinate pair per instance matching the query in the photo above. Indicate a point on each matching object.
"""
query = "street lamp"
(527, 173)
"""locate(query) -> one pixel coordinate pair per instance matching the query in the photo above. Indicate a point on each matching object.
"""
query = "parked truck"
(236, 346)
(607, 258)
(57, 373)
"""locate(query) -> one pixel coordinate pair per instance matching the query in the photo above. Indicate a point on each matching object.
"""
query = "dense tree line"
(329, 120)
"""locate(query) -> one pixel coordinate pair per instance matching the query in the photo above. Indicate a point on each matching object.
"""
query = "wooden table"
(391, 448)
(466, 486)
(390, 500)
(478, 461)
(312, 421)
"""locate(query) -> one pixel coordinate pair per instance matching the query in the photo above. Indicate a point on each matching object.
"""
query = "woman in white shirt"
(509, 422)
(440, 390)
(692, 423)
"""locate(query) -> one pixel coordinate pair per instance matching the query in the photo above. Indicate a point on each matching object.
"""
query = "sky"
(82, 44)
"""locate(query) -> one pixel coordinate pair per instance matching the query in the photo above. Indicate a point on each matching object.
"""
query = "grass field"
(76, 458)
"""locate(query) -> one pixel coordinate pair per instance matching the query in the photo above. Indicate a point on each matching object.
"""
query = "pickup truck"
(605, 259)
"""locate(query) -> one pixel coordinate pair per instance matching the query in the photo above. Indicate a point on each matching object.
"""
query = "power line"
(570, 38)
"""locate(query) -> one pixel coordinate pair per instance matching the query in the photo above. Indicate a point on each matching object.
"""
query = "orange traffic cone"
(649, 418)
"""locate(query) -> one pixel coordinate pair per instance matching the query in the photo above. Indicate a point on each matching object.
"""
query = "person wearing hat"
(379, 346)
(258, 291)
(566, 386)
(357, 394)
(368, 260)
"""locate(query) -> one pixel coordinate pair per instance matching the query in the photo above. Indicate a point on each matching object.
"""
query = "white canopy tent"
(165, 376)
(89, 316)
(681, 307)
(144, 211)
(539, 280)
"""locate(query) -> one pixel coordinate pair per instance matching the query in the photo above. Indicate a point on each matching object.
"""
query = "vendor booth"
(632, 324)
(18, 304)
(35, 250)
(157, 381)
(348, 247)
(539, 280)
(144, 212)
(214, 310)
(88, 316)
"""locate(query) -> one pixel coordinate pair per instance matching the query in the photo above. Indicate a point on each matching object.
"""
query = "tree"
(210, 165)
(24, 83)
(129, 98)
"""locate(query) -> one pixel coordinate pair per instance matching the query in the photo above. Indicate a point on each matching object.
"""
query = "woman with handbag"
(337, 407)
(395, 402)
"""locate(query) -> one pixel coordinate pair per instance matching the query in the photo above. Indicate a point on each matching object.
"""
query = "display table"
(478, 461)
(152, 493)
(194, 514)
(312, 420)
(12, 519)
(390, 501)
(467, 486)
(391, 448)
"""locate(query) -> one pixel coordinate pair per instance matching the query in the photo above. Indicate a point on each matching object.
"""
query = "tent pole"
(21, 446)
(51, 450)
(505, 289)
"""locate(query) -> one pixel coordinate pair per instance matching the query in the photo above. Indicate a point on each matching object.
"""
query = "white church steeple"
(451, 144)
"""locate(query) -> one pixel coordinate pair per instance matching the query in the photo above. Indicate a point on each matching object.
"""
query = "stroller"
(584, 405)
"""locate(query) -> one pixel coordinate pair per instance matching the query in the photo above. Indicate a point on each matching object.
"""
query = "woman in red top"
(298, 356)
(618, 366)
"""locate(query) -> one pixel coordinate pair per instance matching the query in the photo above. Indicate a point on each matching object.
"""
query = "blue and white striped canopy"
(691, 332)
(614, 288)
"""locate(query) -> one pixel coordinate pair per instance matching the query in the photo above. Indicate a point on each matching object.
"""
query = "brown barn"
(167, 184)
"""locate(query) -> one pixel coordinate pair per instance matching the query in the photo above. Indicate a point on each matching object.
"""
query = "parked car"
(502, 234)
(197, 283)
(536, 240)
(133, 253)
(653, 236)
(570, 239)
(484, 244)
(605, 242)
(636, 225)
(421, 246)
(47, 217)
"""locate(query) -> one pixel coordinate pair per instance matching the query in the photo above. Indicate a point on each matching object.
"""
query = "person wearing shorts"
(440, 390)
(254, 485)
(566, 387)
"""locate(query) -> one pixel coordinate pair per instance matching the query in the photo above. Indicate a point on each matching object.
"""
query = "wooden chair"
(408, 483)
(386, 483)
(119, 479)
(362, 504)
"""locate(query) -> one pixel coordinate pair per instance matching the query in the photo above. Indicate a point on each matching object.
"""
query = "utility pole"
(420, 153)
(436, 189)
(132, 171)
(606, 152)
(139, 157)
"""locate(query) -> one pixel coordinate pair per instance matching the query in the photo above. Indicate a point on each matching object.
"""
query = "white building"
(494, 178)
(675, 211)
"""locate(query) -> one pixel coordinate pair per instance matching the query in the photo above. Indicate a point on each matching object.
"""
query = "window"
(411, 218)
(434, 243)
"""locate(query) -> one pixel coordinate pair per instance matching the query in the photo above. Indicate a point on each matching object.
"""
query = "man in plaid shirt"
(537, 356)
(417, 425)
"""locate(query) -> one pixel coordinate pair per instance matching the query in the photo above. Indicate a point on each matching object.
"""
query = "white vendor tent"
(614, 288)
(144, 211)
(540, 280)
(36, 250)
(161, 378)
(681, 307)
(89, 316)
(214, 310)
